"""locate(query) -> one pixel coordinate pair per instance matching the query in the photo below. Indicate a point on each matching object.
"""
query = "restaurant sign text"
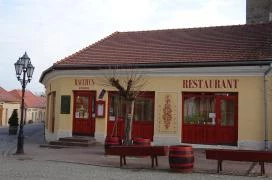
(210, 84)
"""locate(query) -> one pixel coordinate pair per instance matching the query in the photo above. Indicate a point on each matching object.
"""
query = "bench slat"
(136, 150)
(239, 155)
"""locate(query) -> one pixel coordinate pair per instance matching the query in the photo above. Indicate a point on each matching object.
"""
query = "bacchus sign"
(210, 84)
(84, 84)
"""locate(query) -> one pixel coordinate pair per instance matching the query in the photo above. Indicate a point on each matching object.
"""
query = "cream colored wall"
(50, 88)
(269, 105)
(250, 102)
(7, 111)
(101, 123)
(57, 86)
(37, 113)
(66, 86)
(250, 111)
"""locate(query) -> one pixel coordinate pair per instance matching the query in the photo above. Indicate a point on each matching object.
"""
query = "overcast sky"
(49, 30)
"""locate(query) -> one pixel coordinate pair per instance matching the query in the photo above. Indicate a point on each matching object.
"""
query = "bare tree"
(128, 83)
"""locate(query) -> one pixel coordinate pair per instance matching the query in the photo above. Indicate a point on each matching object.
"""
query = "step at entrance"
(77, 141)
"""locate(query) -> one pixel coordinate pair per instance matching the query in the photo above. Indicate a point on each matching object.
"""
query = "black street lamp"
(24, 65)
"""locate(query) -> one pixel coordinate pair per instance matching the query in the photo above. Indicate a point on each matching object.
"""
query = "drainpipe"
(266, 123)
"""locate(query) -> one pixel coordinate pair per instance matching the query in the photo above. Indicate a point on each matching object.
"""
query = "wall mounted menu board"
(100, 108)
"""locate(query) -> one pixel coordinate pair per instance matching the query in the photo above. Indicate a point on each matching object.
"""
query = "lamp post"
(23, 65)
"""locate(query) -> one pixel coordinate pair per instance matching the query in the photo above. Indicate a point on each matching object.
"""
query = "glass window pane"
(82, 106)
(227, 112)
(117, 107)
(143, 109)
(198, 108)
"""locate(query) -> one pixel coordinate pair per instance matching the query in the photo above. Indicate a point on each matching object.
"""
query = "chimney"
(258, 11)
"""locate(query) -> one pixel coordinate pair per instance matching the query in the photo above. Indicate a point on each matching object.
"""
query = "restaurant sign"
(211, 84)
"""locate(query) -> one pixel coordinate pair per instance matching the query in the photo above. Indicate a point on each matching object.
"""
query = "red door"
(210, 118)
(227, 119)
(84, 113)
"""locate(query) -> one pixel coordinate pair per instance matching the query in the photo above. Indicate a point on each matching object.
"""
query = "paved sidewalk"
(95, 156)
(7, 142)
(13, 169)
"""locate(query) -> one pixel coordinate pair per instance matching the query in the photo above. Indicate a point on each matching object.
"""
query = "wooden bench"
(137, 151)
(239, 155)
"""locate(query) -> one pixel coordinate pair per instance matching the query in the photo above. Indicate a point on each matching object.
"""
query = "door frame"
(210, 134)
(50, 119)
(221, 138)
(91, 111)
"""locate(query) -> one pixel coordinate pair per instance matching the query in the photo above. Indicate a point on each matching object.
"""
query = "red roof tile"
(227, 44)
(31, 100)
(222, 43)
(5, 96)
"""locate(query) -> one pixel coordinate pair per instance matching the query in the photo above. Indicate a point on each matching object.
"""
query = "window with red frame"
(197, 108)
(143, 107)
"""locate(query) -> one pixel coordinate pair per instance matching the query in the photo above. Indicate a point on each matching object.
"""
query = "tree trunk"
(128, 122)
(131, 121)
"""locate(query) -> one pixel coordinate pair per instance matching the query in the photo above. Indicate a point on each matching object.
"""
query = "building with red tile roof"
(5, 96)
(205, 86)
(31, 100)
(207, 46)
(35, 105)
(8, 103)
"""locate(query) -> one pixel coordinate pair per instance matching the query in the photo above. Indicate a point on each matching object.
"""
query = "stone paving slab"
(95, 156)
(7, 143)
(13, 169)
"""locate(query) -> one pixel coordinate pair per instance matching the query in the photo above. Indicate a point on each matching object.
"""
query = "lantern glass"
(25, 60)
(30, 70)
(18, 67)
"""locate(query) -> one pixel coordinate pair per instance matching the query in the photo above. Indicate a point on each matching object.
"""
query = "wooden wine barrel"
(112, 141)
(141, 141)
(181, 158)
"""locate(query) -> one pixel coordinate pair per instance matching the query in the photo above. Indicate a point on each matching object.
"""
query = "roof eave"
(154, 65)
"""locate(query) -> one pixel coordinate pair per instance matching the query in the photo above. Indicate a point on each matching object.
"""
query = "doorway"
(210, 118)
(84, 113)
